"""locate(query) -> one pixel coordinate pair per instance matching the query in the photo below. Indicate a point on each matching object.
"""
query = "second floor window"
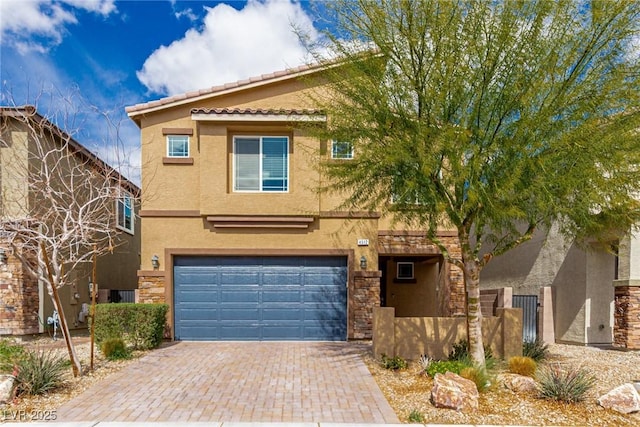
(341, 150)
(125, 213)
(177, 146)
(261, 163)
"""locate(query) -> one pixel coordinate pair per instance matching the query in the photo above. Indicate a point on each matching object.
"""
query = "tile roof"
(258, 111)
(192, 96)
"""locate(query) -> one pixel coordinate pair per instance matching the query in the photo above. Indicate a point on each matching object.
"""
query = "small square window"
(341, 150)
(177, 146)
(405, 270)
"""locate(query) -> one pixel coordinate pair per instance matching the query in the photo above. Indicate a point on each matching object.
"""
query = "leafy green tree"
(494, 118)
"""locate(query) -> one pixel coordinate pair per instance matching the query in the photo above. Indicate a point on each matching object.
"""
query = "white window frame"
(404, 263)
(349, 156)
(125, 196)
(169, 145)
(260, 172)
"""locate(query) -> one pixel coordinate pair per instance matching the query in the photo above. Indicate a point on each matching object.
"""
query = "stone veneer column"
(151, 287)
(19, 299)
(364, 296)
(626, 329)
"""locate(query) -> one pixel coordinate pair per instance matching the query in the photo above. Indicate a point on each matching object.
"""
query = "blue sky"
(94, 57)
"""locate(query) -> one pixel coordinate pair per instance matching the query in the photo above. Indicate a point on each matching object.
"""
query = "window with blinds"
(261, 163)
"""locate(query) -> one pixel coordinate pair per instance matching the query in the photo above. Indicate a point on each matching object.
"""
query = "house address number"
(363, 242)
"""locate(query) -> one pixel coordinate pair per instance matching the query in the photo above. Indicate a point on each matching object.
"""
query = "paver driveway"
(238, 381)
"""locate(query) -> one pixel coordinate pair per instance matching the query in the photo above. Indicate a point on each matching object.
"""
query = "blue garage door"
(260, 298)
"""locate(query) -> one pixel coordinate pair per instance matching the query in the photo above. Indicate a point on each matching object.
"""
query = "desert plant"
(10, 355)
(442, 366)
(522, 365)
(115, 349)
(416, 416)
(460, 351)
(564, 384)
(393, 363)
(480, 375)
(40, 371)
(537, 349)
(424, 362)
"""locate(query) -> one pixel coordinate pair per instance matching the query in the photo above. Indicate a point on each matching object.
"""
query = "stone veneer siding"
(19, 299)
(416, 242)
(364, 295)
(626, 330)
(151, 288)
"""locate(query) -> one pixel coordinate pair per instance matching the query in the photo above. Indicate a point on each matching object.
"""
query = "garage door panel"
(252, 314)
(281, 295)
(239, 332)
(260, 298)
(199, 314)
(291, 314)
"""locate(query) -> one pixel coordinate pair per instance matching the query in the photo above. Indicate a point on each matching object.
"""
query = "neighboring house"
(24, 302)
(240, 243)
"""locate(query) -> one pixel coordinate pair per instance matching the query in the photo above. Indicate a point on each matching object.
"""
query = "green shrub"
(460, 352)
(10, 355)
(522, 365)
(115, 349)
(481, 376)
(416, 417)
(537, 350)
(39, 372)
(394, 363)
(442, 366)
(565, 385)
(140, 325)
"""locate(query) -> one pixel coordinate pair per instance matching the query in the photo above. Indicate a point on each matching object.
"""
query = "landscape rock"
(518, 383)
(7, 382)
(454, 392)
(624, 399)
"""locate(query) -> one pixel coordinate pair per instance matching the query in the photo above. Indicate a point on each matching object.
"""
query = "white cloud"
(231, 45)
(36, 25)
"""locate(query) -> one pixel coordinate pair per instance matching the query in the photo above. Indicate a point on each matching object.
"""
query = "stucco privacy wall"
(411, 337)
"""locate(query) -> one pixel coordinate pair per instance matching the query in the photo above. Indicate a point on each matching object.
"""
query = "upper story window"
(177, 146)
(341, 150)
(124, 212)
(261, 163)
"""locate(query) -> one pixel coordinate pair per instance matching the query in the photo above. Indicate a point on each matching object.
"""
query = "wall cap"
(626, 283)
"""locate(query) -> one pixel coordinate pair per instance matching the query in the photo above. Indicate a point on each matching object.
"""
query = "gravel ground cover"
(44, 407)
(408, 390)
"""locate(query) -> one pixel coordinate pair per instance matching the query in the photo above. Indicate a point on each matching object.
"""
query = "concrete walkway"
(238, 382)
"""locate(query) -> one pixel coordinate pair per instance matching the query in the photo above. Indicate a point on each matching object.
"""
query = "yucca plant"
(567, 385)
(40, 371)
(537, 350)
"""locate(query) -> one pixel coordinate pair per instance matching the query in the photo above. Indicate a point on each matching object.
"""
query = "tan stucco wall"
(13, 185)
(197, 233)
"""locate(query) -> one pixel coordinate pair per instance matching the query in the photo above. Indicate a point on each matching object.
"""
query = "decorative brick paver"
(239, 381)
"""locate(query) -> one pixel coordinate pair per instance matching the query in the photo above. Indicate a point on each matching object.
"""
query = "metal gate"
(529, 306)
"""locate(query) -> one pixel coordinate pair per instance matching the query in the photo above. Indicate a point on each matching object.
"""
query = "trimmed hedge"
(139, 325)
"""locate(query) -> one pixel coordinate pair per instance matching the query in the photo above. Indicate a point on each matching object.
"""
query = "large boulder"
(454, 392)
(7, 383)
(624, 399)
(518, 383)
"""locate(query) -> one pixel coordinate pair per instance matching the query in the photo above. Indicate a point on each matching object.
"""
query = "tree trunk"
(474, 313)
(57, 305)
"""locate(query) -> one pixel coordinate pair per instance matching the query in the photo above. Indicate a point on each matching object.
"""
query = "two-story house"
(25, 306)
(240, 242)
